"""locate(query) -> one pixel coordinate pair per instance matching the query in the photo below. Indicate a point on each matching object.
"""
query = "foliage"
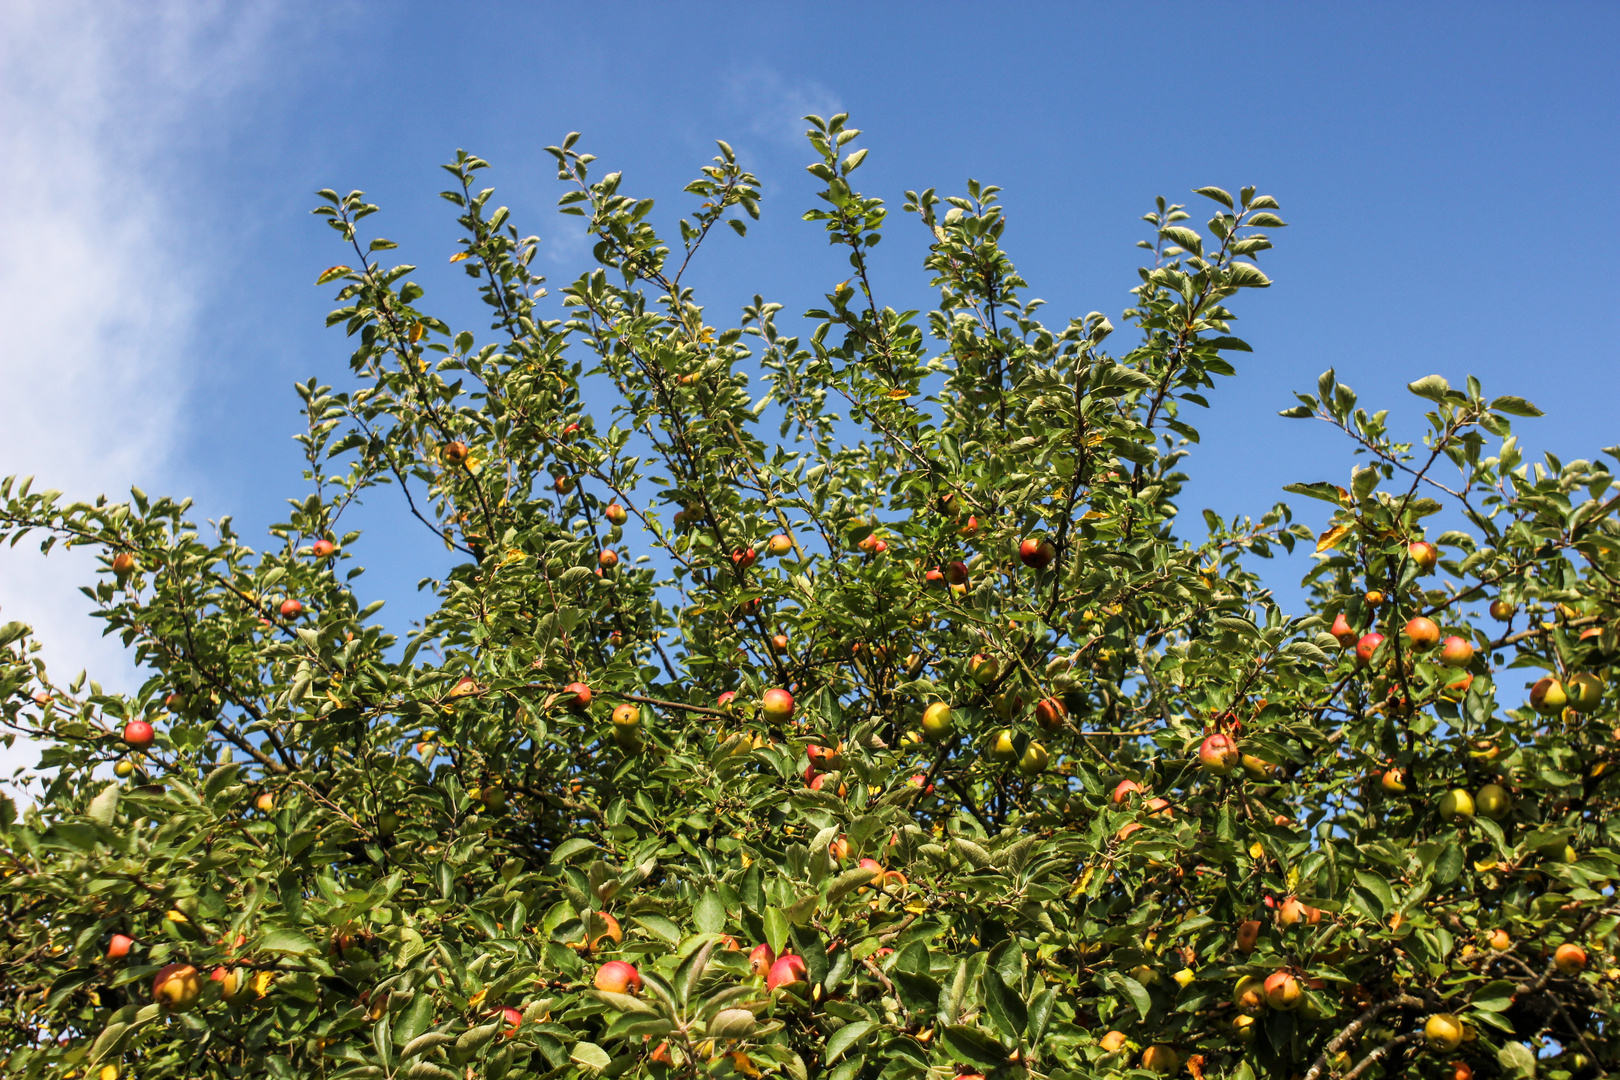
(377, 839)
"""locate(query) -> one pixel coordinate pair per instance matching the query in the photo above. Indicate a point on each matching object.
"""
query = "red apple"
(983, 669)
(1050, 713)
(761, 959)
(291, 608)
(1422, 634)
(119, 946)
(580, 698)
(743, 558)
(1366, 647)
(1124, 790)
(1036, 554)
(124, 564)
(607, 559)
(1283, 991)
(1569, 959)
(177, 987)
(453, 453)
(616, 513)
(727, 701)
(1456, 652)
(618, 977)
(266, 802)
(970, 529)
(138, 734)
(839, 848)
(1424, 554)
(956, 573)
(1248, 935)
(570, 433)
(323, 548)
(513, 1018)
(935, 578)
(788, 970)
(626, 715)
(1219, 754)
(777, 705)
(1343, 631)
(562, 484)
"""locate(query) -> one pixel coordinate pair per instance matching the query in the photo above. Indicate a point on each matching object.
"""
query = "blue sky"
(1448, 172)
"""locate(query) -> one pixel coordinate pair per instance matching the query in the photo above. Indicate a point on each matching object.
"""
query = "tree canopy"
(852, 705)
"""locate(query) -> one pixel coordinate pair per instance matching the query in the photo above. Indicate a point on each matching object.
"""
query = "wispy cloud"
(774, 106)
(98, 289)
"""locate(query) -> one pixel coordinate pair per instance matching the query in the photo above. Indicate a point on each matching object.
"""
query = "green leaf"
(1040, 1015)
(282, 940)
(776, 929)
(590, 1056)
(709, 914)
(971, 1046)
(660, 927)
(1432, 387)
(1496, 996)
(104, 806)
(1217, 194)
(1517, 1059)
(1514, 406)
(845, 1037)
(1005, 1008)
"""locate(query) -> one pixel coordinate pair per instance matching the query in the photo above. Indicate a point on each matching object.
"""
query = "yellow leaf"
(1332, 538)
(415, 332)
(1293, 877)
(1256, 850)
(331, 273)
(1483, 865)
(707, 335)
(458, 256)
(477, 999)
(740, 1062)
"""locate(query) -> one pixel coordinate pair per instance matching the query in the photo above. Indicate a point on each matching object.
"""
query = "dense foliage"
(1054, 789)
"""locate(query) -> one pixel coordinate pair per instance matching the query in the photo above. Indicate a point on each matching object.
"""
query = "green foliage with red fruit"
(691, 771)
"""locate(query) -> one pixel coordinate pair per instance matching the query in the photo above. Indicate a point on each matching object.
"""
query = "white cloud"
(98, 268)
(775, 107)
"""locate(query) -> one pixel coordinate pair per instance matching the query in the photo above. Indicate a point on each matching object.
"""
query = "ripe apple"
(562, 484)
(874, 866)
(291, 608)
(1461, 1070)
(936, 721)
(1008, 705)
(1493, 801)
(615, 513)
(918, 780)
(1500, 941)
(119, 945)
(1243, 1028)
(578, 696)
(780, 544)
(1161, 1059)
(1366, 647)
(1219, 754)
(1421, 633)
(1424, 554)
(983, 669)
(934, 579)
(1501, 610)
(1569, 959)
(177, 987)
(1585, 692)
(777, 705)
(1036, 554)
(626, 715)
(1456, 652)
(956, 573)
(1295, 911)
(1547, 696)
(1125, 789)
(779, 643)
(1457, 688)
(123, 769)
(761, 959)
(1033, 763)
(969, 529)
(1250, 995)
(743, 558)
(1248, 935)
(453, 453)
(618, 977)
(788, 970)
(1394, 781)
(1050, 713)
(124, 564)
(266, 802)
(1443, 1032)
(138, 734)
(513, 1018)
(1001, 746)
(1283, 991)
(323, 548)
(1112, 1041)
(1373, 598)
(1259, 768)
(607, 559)
(1343, 631)
(1456, 805)
(839, 848)
(1160, 808)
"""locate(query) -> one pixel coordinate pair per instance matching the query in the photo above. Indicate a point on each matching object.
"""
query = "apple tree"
(851, 704)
